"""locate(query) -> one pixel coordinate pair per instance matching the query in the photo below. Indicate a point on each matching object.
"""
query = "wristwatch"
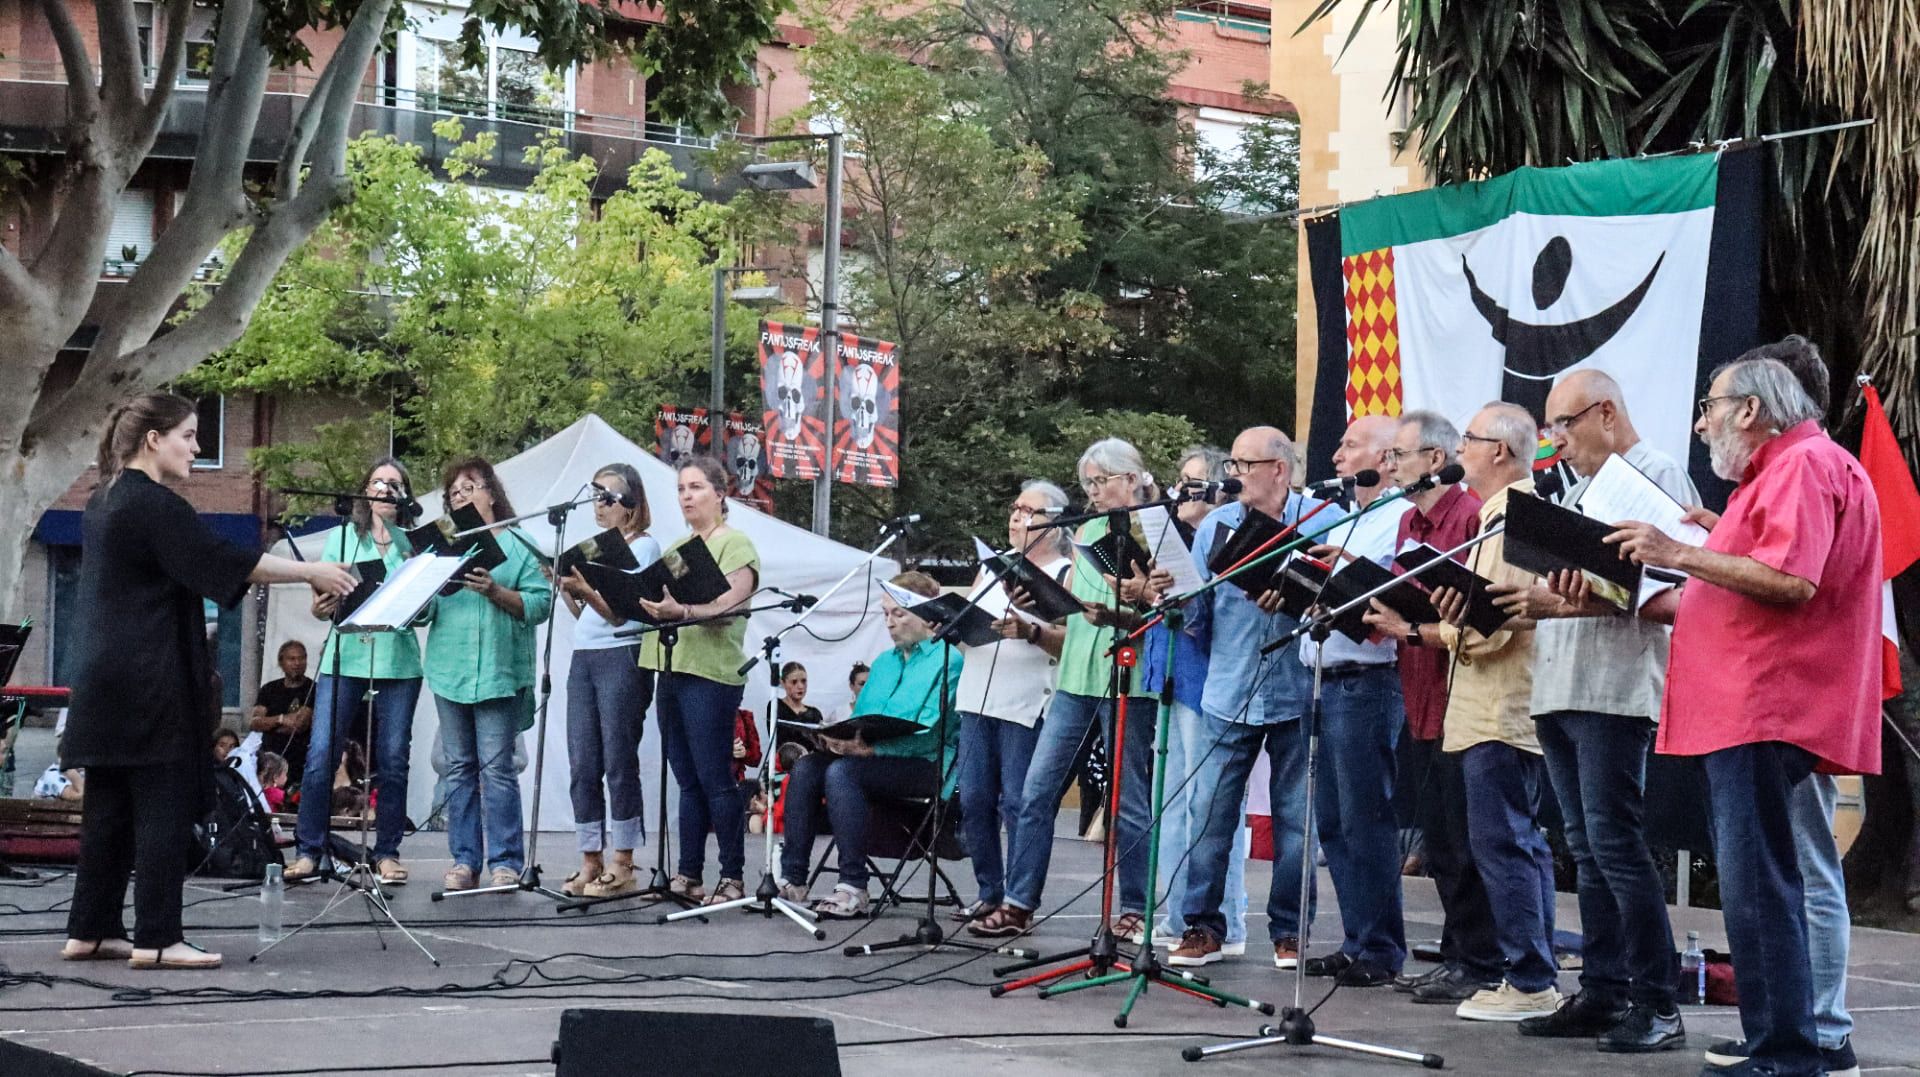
(1413, 636)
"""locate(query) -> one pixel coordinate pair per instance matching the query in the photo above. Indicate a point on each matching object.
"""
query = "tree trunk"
(36, 478)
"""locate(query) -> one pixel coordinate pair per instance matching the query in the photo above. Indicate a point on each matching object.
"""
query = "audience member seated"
(856, 680)
(906, 683)
(790, 743)
(283, 711)
(224, 742)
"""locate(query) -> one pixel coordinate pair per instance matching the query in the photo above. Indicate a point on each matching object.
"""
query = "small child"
(273, 780)
(224, 742)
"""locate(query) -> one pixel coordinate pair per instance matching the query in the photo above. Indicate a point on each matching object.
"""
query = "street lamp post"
(780, 175)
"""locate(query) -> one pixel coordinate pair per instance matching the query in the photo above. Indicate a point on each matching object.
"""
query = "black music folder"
(1052, 602)
(687, 572)
(607, 548)
(868, 727)
(1483, 616)
(370, 574)
(1253, 532)
(1118, 553)
(974, 626)
(438, 536)
(1356, 578)
(1544, 537)
(1300, 581)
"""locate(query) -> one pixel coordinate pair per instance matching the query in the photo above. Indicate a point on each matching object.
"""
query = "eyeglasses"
(1027, 512)
(467, 489)
(1707, 402)
(1394, 456)
(1464, 438)
(1242, 467)
(1560, 425)
(1096, 482)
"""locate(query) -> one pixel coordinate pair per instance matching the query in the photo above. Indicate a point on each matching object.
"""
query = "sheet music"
(902, 597)
(991, 596)
(1619, 492)
(408, 589)
(1167, 550)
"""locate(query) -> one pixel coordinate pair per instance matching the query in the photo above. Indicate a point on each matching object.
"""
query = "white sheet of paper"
(990, 595)
(408, 589)
(1619, 492)
(1166, 549)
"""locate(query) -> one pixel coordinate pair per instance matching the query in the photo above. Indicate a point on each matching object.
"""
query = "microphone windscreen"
(1230, 487)
(1549, 483)
(1450, 474)
(1366, 480)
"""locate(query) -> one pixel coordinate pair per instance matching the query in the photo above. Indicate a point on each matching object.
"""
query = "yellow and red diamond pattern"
(1373, 335)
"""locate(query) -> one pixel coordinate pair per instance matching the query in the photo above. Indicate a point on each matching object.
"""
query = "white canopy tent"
(845, 629)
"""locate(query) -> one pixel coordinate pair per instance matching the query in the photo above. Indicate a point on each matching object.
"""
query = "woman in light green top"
(697, 696)
(480, 668)
(388, 663)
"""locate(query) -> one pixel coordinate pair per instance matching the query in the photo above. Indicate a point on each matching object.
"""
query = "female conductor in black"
(141, 686)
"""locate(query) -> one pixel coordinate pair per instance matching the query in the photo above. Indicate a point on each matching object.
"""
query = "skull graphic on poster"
(746, 463)
(791, 387)
(680, 445)
(863, 405)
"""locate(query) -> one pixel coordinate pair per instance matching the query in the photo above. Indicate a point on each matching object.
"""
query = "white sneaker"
(1509, 1003)
(1234, 949)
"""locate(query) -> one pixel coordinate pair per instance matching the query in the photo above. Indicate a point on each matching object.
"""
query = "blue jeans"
(1030, 850)
(994, 755)
(607, 698)
(846, 786)
(335, 701)
(1598, 763)
(1361, 716)
(482, 783)
(1763, 899)
(1216, 815)
(1515, 865)
(1829, 932)
(1186, 744)
(696, 731)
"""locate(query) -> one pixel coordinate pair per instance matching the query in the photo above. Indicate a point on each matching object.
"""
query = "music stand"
(392, 607)
(13, 642)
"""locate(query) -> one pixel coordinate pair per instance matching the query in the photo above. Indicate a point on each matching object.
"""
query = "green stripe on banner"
(1618, 188)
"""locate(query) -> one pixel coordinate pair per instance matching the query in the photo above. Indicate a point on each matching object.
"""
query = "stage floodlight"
(780, 175)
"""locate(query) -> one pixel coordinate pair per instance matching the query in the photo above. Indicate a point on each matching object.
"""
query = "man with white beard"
(1774, 672)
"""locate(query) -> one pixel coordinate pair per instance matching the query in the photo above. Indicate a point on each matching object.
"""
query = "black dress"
(141, 695)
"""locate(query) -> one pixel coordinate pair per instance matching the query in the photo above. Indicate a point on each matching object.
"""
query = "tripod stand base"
(377, 906)
(529, 882)
(930, 935)
(765, 907)
(1296, 1030)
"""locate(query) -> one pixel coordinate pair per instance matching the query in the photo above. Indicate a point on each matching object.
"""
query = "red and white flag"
(1899, 525)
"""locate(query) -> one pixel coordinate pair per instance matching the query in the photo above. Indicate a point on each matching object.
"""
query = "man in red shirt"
(1774, 673)
(1442, 517)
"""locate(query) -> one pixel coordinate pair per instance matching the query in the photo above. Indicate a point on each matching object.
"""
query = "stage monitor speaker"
(594, 1043)
(19, 1060)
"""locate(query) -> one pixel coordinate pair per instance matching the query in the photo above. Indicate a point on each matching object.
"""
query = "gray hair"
(1513, 425)
(1783, 402)
(1057, 504)
(1435, 432)
(1115, 456)
(1212, 459)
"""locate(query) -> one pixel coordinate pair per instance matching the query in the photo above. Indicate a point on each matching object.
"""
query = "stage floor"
(377, 1011)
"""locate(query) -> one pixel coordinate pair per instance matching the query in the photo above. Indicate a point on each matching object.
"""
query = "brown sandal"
(728, 890)
(612, 884)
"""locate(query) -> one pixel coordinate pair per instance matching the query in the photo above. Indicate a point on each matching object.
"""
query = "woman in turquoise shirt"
(388, 663)
(479, 665)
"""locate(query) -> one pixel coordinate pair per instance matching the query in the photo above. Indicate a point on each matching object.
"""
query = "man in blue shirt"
(1252, 701)
(907, 681)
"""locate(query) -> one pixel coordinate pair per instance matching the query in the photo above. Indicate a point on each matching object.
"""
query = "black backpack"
(235, 840)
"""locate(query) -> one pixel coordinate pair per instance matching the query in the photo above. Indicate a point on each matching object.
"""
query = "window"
(509, 84)
(201, 24)
(442, 85)
(213, 433)
(524, 90)
(130, 236)
(143, 27)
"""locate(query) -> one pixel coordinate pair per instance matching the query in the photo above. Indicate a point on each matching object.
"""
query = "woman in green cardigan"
(479, 666)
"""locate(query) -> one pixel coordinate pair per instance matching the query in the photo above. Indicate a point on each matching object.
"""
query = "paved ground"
(510, 965)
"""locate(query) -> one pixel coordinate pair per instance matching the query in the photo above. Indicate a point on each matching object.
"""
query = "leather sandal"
(728, 890)
(612, 884)
(303, 867)
(102, 950)
(181, 955)
(391, 871)
(575, 886)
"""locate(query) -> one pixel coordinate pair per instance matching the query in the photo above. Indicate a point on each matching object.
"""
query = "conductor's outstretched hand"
(329, 578)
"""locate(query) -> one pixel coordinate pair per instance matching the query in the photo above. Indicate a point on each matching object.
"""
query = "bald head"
(1364, 447)
(1265, 462)
(1587, 419)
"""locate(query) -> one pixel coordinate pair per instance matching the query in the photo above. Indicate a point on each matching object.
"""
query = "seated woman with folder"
(905, 684)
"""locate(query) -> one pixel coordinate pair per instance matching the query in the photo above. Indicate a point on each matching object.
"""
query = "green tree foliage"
(489, 318)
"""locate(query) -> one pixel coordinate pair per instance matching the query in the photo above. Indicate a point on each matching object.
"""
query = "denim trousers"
(1219, 789)
(994, 755)
(483, 789)
(1750, 788)
(696, 731)
(607, 698)
(1439, 791)
(1360, 719)
(1515, 864)
(1829, 931)
(1598, 763)
(844, 787)
(1187, 744)
(1030, 848)
(335, 702)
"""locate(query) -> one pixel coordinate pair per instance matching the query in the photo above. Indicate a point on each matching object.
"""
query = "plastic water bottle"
(273, 899)
(1693, 972)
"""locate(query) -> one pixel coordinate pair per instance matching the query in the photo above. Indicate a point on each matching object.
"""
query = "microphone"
(900, 523)
(1365, 480)
(1549, 484)
(607, 497)
(1206, 491)
(1446, 476)
(405, 507)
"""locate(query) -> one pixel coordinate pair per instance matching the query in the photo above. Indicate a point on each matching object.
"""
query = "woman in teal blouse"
(386, 662)
(479, 664)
